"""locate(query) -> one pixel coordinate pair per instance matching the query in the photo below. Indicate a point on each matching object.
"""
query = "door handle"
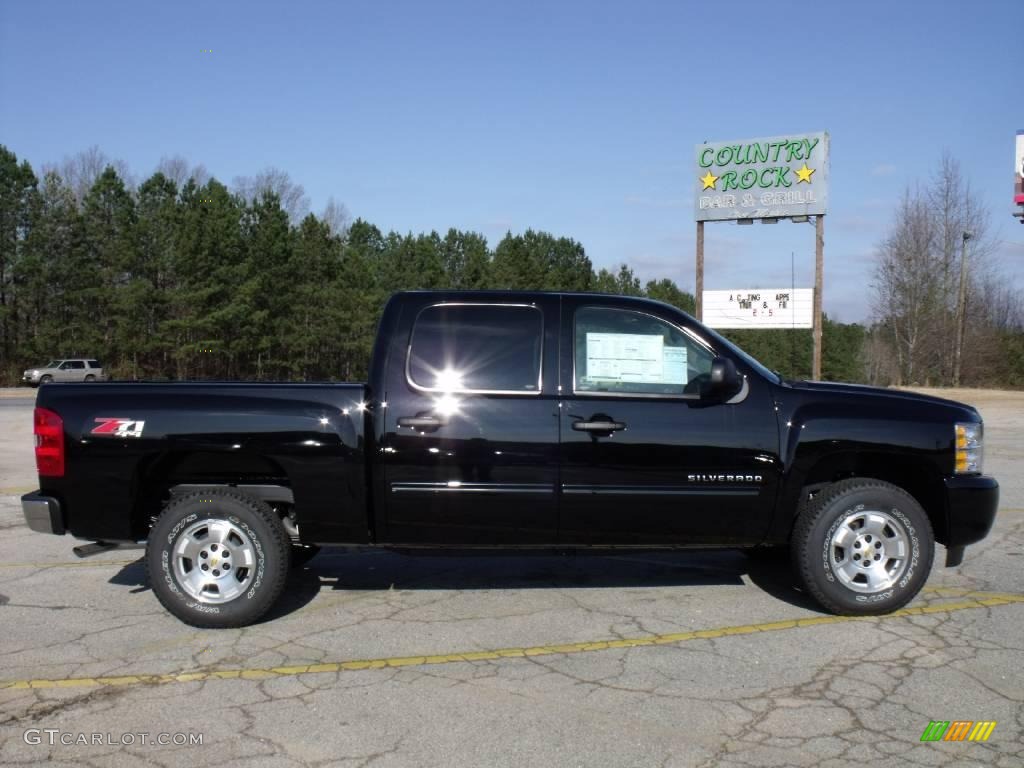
(598, 426)
(421, 422)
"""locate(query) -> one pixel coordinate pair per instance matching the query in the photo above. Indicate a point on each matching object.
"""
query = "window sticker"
(625, 357)
(674, 366)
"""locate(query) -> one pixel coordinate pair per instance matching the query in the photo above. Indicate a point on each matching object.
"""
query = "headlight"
(968, 447)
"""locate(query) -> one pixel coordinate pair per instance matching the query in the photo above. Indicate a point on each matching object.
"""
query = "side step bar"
(99, 547)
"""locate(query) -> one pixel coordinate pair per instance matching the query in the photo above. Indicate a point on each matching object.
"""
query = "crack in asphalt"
(975, 601)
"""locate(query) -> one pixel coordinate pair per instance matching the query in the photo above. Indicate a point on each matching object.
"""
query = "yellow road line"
(976, 600)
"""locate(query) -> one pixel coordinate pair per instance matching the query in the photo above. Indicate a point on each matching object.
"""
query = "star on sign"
(709, 180)
(804, 174)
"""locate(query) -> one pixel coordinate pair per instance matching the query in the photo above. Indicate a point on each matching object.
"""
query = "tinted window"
(94, 364)
(77, 364)
(64, 366)
(618, 351)
(476, 347)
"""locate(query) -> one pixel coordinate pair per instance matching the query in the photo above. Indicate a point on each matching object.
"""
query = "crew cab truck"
(531, 420)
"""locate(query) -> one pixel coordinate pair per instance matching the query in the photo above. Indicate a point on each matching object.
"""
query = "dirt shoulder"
(26, 392)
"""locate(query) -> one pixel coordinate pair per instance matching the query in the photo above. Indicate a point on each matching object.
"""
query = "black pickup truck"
(499, 419)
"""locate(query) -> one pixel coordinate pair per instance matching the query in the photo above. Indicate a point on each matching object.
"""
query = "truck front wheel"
(218, 559)
(863, 547)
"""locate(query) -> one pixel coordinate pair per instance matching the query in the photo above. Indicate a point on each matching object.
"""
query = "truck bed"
(308, 437)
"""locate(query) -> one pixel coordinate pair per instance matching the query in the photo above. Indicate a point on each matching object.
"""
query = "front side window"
(623, 352)
(64, 367)
(476, 347)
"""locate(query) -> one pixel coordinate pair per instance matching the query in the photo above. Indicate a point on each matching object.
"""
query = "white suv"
(72, 369)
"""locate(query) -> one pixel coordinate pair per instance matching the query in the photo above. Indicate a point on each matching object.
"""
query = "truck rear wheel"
(218, 558)
(863, 547)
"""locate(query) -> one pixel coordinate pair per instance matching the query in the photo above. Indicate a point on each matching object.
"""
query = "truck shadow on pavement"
(337, 568)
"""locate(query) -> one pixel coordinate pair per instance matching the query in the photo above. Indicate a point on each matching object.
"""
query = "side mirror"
(725, 379)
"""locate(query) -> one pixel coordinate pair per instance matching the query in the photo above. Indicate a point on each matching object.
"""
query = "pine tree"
(103, 295)
(49, 269)
(18, 198)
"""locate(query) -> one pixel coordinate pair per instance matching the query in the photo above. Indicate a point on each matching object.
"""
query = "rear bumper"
(973, 501)
(42, 513)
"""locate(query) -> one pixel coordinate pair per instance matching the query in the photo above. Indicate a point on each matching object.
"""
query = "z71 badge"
(118, 427)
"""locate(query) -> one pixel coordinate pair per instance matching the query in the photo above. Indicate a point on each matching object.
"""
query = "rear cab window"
(625, 352)
(481, 348)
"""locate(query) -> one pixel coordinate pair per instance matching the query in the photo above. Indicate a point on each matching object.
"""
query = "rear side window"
(631, 353)
(476, 348)
(94, 364)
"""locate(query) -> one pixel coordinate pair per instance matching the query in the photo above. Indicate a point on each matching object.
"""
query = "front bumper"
(42, 513)
(28, 378)
(973, 501)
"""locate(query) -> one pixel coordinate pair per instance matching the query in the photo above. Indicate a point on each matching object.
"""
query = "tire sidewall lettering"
(260, 559)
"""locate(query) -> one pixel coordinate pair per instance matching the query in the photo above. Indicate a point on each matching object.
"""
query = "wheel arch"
(169, 475)
(913, 474)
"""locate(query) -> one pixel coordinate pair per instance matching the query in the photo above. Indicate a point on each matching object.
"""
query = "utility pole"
(961, 311)
(699, 298)
(819, 267)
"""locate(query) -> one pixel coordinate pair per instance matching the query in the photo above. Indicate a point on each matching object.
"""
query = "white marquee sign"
(760, 308)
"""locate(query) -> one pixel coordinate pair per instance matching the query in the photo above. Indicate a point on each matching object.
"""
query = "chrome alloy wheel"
(869, 551)
(214, 561)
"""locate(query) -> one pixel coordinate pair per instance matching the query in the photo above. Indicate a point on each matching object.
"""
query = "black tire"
(90, 379)
(46, 379)
(824, 564)
(303, 553)
(254, 532)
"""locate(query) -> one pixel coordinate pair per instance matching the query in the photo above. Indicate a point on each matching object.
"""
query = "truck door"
(644, 459)
(470, 441)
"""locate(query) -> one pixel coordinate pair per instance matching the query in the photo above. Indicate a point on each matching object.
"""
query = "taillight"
(49, 431)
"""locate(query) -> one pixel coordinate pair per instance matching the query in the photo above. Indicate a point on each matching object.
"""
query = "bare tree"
(1004, 308)
(336, 216)
(955, 209)
(908, 287)
(81, 170)
(292, 195)
(880, 366)
(179, 170)
(917, 278)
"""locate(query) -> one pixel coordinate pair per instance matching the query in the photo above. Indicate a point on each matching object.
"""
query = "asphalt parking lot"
(630, 660)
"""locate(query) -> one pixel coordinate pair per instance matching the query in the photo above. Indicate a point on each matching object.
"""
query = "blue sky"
(579, 118)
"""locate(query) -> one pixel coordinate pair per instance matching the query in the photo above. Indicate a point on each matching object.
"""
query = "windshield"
(768, 373)
(52, 364)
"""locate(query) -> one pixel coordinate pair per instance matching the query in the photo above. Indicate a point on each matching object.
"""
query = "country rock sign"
(773, 177)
